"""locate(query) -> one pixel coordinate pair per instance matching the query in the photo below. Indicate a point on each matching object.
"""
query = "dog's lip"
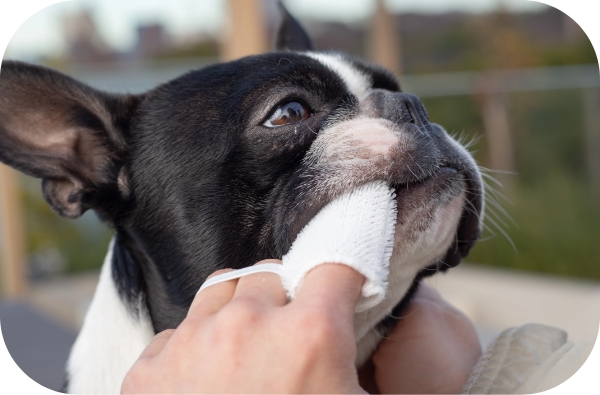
(435, 180)
(439, 177)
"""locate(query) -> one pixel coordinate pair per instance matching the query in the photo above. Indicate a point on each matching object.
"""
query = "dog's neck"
(139, 279)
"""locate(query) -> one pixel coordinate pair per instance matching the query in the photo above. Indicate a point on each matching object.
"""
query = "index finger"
(332, 286)
(212, 299)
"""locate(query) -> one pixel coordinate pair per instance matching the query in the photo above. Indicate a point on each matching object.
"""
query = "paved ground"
(40, 330)
(38, 343)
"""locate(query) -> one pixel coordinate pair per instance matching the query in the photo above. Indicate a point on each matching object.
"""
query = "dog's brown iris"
(288, 113)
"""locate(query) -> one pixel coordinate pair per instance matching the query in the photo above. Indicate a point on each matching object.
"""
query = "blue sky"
(116, 19)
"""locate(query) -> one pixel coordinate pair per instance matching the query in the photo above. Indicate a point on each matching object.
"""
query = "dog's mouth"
(446, 184)
(439, 188)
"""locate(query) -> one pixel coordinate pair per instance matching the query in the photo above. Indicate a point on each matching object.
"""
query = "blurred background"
(516, 81)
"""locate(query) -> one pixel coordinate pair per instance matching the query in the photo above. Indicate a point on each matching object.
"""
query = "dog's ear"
(291, 35)
(68, 134)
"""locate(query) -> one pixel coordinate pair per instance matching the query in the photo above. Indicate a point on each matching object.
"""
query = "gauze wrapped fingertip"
(356, 229)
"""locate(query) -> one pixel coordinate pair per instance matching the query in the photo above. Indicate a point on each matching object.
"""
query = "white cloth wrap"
(356, 229)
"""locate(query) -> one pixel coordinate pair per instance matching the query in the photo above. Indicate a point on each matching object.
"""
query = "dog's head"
(223, 166)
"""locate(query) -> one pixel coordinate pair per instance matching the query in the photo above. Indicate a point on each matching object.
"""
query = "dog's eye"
(288, 113)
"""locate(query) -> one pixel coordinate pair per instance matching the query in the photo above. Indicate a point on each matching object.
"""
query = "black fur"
(127, 273)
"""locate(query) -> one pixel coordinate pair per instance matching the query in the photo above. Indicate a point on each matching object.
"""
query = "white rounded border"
(14, 13)
(12, 16)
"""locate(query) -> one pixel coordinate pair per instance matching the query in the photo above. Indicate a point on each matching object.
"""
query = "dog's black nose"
(398, 107)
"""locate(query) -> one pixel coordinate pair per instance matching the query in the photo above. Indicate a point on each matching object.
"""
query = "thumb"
(334, 287)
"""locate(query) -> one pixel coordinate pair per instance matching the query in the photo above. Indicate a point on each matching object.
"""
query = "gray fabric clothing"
(526, 360)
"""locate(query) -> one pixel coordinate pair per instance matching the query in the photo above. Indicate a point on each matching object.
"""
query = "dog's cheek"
(273, 151)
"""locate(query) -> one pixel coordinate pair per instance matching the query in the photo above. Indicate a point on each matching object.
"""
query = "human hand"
(241, 336)
(432, 349)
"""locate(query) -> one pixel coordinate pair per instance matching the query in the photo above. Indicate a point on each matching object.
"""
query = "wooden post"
(14, 278)
(245, 33)
(591, 105)
(384, 41)
(499, 140)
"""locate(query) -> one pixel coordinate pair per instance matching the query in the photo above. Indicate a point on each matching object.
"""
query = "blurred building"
(85, 44)
(152, 39)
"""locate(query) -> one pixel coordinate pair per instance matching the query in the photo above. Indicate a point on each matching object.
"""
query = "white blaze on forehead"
(357, 82)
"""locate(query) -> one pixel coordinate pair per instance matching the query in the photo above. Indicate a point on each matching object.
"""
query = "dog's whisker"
(482, 239)
(512, 244)
(494, 205)
(497, 217)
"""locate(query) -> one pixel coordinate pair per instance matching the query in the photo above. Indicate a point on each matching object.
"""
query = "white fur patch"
(358, 83)
(110, 340)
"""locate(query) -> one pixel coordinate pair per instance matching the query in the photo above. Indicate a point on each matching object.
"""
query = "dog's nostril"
(415, 108)
(406, 115)
(411, 109)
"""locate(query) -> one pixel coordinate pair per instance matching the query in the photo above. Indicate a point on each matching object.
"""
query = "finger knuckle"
(238, 314)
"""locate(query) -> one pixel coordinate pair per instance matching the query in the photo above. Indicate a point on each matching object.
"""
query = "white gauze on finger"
(355, 229)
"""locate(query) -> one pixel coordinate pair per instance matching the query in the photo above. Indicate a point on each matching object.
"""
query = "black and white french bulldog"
(222, 167)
